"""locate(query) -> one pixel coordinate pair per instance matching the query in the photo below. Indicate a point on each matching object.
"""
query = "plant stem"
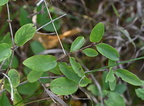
(54, 27)
(123, 62)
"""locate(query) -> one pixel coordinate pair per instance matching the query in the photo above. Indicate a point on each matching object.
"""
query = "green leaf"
(128, 77)
(41, 62)
(7, 39)
(4, 101)
(97, 33)
(110, 76)
(140, 93)
(104, 84)
(15, 63)
(126, 33)
(34, 76)
(115, 10)
(63, 86)
(111, 62)
(94, 90)
(56, 70)
(114, 99)
(24, 34)
(68, 72)
(76, 67)
(43, 18)
(28, 88)
(24, 17)
(3, 2)
(112, 85)
(77, 44)
(108, 51)
(84, 81)
(45, 80)
(120, 88)
(17, 99)
(90, 52)
(7, 85)
(36, 47)
(26, 70)
(14, 77)
(5, 51)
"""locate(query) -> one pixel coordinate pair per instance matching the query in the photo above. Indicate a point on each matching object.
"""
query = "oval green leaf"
(34, 76)
(14, 77)
(15, 63)
(7, 39)
(97, 32)
(56, 70)
(43, 19)
(140, 93)
(28, 88)
(112, 85)
(24, 17)
(120, 88)
(17, 99)
(93, 89)
(110, 76)
(128, 77)
(5, 51)
(77, 44)
(3, 2)
(41, 62)
(4, 101)
(24, 34)
(68, 72)
(76, 67)
(114, 99)
(108, 51)
(84, 81)
(90, 52)
(36, 47)
(63, 86)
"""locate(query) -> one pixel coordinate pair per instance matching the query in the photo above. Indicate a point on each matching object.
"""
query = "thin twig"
(10, 26)
(39, 2)
(51, 22)
(51, 51)
(63, 56)
(50, 77)
(11, 86)
(2, 63)
(54, 27)
(36, 101)
(24, 82)
(12, 36)
(53, 96)
(91, 97)
(76, 98)
(99, 88)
